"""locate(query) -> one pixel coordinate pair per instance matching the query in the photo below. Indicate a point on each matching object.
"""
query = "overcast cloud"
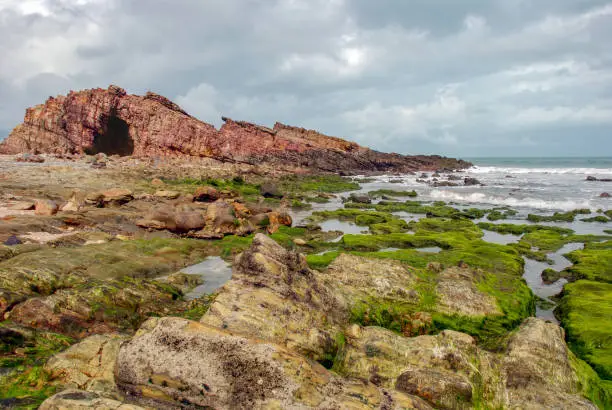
(455, 77)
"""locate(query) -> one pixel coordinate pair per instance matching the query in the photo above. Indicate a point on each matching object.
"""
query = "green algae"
(585, 311)
(594, 262)
(390, 192)
(25, 383)
(316, 183)
(590, 385)
(516, 229)
(558, 216)
(598, 218)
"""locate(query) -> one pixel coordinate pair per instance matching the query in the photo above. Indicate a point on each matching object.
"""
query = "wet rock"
(45, 207)
(591, 178)
(467, 181)
(550, 276)
(206, 194)
(360, 198)
(73, 399)
(604, 195)
(163, 194)
(88, 365)
(270, 190)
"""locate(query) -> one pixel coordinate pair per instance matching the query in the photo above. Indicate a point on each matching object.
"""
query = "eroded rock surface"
(173, 360)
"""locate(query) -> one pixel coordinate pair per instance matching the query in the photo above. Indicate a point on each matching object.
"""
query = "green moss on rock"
(585, 311)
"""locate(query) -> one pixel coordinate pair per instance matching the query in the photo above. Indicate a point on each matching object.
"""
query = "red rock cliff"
(115, 122)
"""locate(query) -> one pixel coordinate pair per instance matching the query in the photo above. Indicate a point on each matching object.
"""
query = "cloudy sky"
(457, 77)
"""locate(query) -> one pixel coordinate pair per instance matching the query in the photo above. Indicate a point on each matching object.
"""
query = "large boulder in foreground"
(174, 362)
(113, 122)
(273, 295)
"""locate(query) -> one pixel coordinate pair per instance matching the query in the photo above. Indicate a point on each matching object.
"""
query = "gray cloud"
(468, 78)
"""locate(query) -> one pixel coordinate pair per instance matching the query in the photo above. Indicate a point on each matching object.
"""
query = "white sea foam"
(482, 198)
(516, 170)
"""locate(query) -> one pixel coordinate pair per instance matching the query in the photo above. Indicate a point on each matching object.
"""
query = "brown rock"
(240, 210)
(113, 122)
(117, 196)
(46, 207)
(189, 221)
(206, 194)
(167, 194)
(276, 219)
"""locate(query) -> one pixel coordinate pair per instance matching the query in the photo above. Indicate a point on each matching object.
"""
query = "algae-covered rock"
(172, 361)
(88, 365)
(537, 369)
(585, 311)
(458, 294)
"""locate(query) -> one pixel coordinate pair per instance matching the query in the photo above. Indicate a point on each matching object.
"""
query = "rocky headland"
(114, 122)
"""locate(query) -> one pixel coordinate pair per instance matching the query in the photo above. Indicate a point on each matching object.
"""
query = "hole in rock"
(114, 139)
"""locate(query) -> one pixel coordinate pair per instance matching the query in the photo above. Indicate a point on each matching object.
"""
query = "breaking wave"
(482, 198)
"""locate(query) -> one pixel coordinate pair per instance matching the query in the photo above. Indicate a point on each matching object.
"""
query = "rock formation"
(113, 122)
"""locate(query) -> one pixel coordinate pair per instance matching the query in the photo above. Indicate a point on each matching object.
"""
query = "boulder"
(189, 221)
(604, 195)
(220, 219)
(360, 198)
(274, 296)
(537, 369)
(12, 241)
(117, 196)
(206, 194)
(591, 178)
(270, 190)
(46, 207)
(467, 181)
(176, 363)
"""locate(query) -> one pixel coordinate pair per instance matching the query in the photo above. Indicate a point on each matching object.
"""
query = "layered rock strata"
(114, 122)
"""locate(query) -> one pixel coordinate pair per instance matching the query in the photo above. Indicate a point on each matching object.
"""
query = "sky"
(463, 78)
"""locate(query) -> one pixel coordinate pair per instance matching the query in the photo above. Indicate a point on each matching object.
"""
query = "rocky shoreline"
(416, 312)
